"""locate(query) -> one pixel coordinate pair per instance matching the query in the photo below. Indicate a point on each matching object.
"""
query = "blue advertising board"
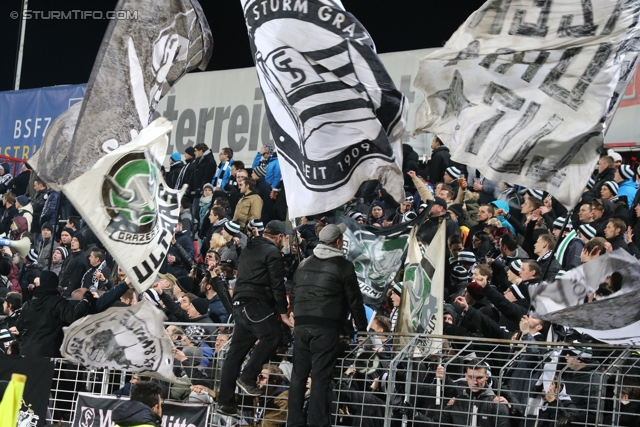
(25, 115)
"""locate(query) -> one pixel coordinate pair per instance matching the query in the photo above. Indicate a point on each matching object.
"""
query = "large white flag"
(423, 286)
(524, 90)
(335, 115)
(126, 203)
(129, 339)
(612, 319)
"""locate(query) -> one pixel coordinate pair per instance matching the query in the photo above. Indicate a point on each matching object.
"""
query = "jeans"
(315, 350)
(254, 320)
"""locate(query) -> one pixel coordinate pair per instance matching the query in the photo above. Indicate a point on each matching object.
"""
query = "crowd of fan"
(500, 240)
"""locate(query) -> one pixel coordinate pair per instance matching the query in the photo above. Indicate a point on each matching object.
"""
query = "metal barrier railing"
(410, 381)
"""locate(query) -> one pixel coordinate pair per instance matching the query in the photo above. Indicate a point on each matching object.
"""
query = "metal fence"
(405, 381)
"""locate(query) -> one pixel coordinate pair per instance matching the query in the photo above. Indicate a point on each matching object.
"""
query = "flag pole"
(23, 25)
(55, 227)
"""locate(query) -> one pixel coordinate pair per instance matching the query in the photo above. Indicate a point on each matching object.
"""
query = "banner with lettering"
(525, 91)
(93, 410)
(336, 116)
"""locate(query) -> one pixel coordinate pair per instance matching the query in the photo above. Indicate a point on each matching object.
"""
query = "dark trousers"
(315, 350)
(254, 320)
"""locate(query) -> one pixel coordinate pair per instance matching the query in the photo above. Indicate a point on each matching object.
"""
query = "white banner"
(129, 339)
(335, 115)
(126, 203)
(525, 90)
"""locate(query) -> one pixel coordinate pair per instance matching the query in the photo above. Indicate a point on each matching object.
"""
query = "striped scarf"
(562, 248)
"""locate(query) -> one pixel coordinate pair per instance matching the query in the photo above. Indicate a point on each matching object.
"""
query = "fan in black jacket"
(42, 319)
(74, 266)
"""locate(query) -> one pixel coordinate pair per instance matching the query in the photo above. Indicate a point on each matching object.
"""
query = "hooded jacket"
(50, 205)
(629, 189)
(133, 413)
(37, 204)
(601, 223)
(326, 289)
(73, 269)
(42, 319)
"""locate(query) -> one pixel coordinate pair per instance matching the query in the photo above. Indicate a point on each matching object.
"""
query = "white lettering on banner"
(31, 128)
(266, 7)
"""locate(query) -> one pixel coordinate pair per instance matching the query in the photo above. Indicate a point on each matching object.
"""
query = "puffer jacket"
(490, 414)
(326, 289)
(42, 319)
(133, 413)
(73, 269)
(261, 272)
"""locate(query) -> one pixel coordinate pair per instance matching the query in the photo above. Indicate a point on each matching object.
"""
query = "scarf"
(205, 200)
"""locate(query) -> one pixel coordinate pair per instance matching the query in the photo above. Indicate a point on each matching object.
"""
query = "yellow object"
(12, 400)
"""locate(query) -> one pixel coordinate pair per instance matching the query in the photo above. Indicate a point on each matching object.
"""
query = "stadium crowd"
(502, 241)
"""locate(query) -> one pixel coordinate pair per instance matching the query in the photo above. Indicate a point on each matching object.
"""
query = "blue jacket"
(274, 176)
(49, 210)
(217, 312)
(628, 188)
(223, 174)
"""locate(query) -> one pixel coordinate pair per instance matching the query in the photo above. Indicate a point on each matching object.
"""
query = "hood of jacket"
(323, 251)
(42, 295)
(132, 413)
(440, 148)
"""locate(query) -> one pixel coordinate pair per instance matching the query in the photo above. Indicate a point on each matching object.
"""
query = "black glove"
(88, 296)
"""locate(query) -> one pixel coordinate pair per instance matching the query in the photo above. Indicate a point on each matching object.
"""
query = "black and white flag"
(335, 115)
(139, 60)
(525, 90)
(129, 339)
(377, 254)
(125, 201)
(613, 319)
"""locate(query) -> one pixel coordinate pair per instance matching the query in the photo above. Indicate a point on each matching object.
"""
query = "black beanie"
(202, 305)
(81, 239)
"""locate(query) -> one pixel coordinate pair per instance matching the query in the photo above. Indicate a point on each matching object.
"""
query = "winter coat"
(28, 274)
(203, 172)
(489, 414)
(42, 319)
(174, 171)
(523, 371)
(50, 207)
(185, 176)
(217, 312)
(273, 176)
(45, 250)
(261, 273)
(326, 290)
(132, 413)
(37, 203)
(7, 219)
(629, 189)
(73, 269)
(20, 183)
(248, 208)
(439, 162)
(607, 175)
(22, 225)
(554, 413)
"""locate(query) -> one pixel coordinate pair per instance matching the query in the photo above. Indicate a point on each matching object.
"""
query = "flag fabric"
(128, 206)
(139, 60)
(377, 254)
(335, 115)
(12, 400)
(423, 286)
(574, 285)
(526, 90)
(612, 319)
(129, 339)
